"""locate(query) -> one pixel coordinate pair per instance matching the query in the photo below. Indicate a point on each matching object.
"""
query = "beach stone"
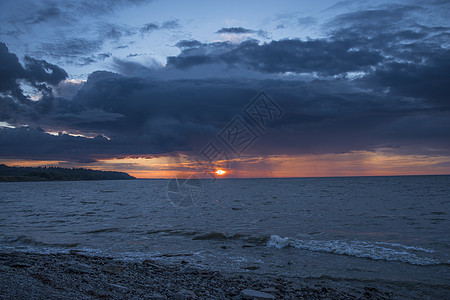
(189, 270)
(252, 294)
(251, 268)
(184, 294)
(117, 287)
(269, 290)
(77, 267)
(157, 296)
(112, 269)
(19, 264)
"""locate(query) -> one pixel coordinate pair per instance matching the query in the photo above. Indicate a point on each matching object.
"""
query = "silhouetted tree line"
(56, 173)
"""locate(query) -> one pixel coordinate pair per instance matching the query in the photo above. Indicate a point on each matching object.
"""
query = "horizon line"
(298, 177)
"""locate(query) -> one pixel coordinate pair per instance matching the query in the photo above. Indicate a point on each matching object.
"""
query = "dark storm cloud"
(322, 56)
(10, 69)
(87, 116)
(416, 63)
(17, 108)
(145, 117)
(363, 41)
(430, 82)
(36, 72)
(398, 100)
(34, 144)
(42, 71)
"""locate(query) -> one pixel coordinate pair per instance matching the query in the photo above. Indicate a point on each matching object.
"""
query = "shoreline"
(79, 276)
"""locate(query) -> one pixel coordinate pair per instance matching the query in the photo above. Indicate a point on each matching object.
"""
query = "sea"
(375, 229)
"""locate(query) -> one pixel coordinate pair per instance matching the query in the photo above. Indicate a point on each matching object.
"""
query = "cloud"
(95, 7)
(68, 88)
(36, 72)
(171, 24)
(10, 70)
(46, 14)
(73, 32)
(188, 44)
(429, 81)
(368, 21)
(47, 11)
(363, 42)
(237, 30)
(321, 56)
(147, 117)
(149, 27)
(16, 106)
(306, 21)
(35, 144)
(42, 71)
(131, 68)
(242, 31)
(110, 31)
(88, 116)
(75, 51)
(72, 49)
(369, 86)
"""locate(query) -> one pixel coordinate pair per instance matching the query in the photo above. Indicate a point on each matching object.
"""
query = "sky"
(161, 89)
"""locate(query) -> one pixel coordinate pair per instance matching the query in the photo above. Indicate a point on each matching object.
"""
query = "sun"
(221, 172)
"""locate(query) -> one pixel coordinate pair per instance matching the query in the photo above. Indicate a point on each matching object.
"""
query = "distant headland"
(57, 174)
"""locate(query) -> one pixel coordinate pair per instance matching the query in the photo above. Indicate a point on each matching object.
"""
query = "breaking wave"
(372, 250)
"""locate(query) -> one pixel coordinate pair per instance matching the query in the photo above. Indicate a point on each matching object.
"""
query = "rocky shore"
(78, 276)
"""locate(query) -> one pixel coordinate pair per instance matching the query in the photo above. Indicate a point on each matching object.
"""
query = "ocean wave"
(177, 232)
(376, 251)
(218, 236)
(254, 240)
(28, 241)
(211, 235)
(102, 230)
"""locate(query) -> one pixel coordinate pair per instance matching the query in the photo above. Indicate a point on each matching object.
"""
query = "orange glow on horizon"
(357, 163)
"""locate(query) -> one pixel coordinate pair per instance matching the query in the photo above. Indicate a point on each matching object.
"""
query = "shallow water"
(386, 229)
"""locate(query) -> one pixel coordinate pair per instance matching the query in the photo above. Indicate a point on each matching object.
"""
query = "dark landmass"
(78, 276)
(55, 173)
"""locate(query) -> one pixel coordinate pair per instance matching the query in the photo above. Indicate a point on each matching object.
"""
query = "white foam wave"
(363, 249)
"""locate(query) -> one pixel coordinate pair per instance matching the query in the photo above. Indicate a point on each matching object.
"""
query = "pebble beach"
(79, 276)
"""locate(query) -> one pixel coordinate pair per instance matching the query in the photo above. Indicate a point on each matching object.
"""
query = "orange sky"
(357, 163)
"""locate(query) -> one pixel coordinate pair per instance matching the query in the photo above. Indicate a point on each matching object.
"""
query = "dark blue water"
(373, 228)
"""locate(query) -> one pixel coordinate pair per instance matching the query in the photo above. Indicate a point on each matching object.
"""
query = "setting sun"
(221, 172)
